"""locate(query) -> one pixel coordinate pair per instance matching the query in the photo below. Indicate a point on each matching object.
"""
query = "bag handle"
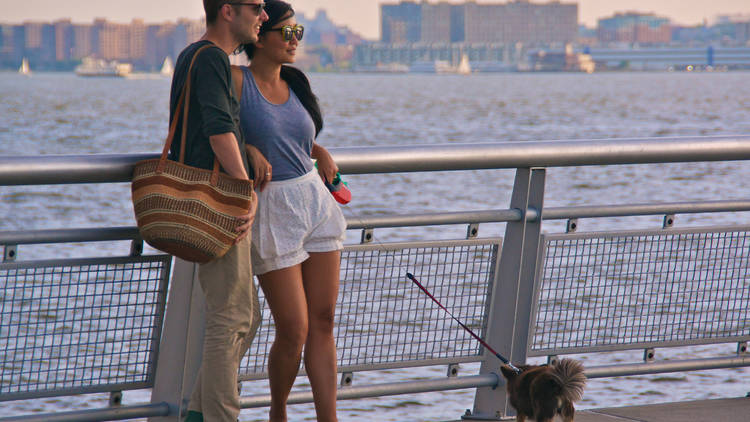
(182, 108)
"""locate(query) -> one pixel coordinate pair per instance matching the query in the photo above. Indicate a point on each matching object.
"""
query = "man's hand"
(246, 221)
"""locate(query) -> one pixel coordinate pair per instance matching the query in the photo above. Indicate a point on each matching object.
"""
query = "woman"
(299, 229)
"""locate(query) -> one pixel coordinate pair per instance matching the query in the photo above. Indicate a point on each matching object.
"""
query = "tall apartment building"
(436, 23)
(401, 23)
(6, 39)
(83, 41)
(137, 41)
(632, 27)
(113, 40)
(186, 32)
(513, 22)
(38, 41)
(64, 40)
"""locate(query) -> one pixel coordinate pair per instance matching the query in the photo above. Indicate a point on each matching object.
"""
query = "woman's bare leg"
(285, 295)
(320, 275)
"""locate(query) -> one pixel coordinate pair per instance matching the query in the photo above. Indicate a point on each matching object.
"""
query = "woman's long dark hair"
(277, 11)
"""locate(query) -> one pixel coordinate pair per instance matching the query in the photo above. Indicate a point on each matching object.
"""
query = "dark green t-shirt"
(214, 108)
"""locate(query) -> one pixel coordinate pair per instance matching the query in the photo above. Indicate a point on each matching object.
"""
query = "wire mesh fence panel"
(80, 325)
(384, 321)
(628, 290)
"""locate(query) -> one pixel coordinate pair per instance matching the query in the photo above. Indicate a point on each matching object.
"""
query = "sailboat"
(464, 68)
(167, 68)
(24, 69)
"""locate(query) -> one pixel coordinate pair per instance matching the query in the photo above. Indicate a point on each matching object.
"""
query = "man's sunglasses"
(289, 31)
(257, 7)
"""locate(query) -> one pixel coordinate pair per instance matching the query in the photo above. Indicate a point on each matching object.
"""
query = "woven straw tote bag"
(186, 211)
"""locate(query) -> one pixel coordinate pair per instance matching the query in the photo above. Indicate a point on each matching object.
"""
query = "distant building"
(733, 29)
(521, 21)
(137, 41)
(587, 36)
(326, 45)
(83, 41)
(38, 41)
(401, 23)
(381, 56)
(114, 40)
(6, 40)
(185, 33)
(64, 40)
(634, 27)
(514, 22)
(436, 23)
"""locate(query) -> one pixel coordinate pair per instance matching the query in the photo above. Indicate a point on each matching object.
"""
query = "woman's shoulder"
(238, 71)
(238, 76)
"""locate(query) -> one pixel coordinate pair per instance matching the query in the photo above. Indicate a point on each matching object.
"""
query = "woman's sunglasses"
(289, 31)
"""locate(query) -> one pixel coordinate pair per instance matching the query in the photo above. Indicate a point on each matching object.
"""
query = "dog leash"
(479, 339)
(411, 277)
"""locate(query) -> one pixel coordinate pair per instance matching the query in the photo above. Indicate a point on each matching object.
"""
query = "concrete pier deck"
(693, 411)
(719, 410)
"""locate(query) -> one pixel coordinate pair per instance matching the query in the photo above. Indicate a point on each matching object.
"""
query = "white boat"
(24, 69)
(98, 67)
(434, 66)
(464, 68)
(167, 68)
(442, 66)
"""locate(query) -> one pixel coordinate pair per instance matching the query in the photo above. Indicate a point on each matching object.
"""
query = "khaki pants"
(232, 319)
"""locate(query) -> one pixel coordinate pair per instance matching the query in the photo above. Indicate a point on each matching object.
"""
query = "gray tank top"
(284, 133)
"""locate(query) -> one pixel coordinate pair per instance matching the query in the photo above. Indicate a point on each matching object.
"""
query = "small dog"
(540, 392)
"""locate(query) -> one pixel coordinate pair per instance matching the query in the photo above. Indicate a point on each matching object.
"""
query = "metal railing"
(553, 286)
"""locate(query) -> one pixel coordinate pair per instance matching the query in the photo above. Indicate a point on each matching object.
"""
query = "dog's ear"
(507, 372)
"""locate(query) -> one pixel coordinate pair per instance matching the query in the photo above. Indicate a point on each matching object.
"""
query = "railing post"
(512, 295)
(181, 346)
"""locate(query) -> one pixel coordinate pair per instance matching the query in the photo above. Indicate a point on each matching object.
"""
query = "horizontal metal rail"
(93, 415)
(668, 366)
(29, 237)
(541, 154)
(561, 213)
(492, 379)
(386, 389)
(437, 219)
(112, 168)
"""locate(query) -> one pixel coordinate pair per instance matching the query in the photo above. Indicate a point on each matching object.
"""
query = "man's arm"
(228, 153)
(214, 97)
(214, 94)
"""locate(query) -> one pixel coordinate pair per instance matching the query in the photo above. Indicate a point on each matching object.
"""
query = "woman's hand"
(327, 168)
(261, 167)
(246, 221)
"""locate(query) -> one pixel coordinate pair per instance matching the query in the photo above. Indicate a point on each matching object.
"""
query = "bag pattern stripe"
(230, 206)
(218, 224)
(230, 187)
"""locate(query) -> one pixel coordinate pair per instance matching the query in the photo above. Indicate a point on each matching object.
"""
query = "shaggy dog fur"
(541, 392)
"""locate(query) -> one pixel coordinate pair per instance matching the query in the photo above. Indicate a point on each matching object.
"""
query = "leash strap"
(479, 339)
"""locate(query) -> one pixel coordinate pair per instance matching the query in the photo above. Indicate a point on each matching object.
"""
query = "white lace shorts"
(295, 217)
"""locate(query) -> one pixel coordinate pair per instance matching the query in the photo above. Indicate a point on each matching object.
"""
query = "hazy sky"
(360, 15)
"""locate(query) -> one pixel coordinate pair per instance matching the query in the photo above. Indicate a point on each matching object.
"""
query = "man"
(232, 309)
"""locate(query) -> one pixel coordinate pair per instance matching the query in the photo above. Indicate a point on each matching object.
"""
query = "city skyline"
(361, 16)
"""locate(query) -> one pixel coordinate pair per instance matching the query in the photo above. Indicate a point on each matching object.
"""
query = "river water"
(64, 114)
